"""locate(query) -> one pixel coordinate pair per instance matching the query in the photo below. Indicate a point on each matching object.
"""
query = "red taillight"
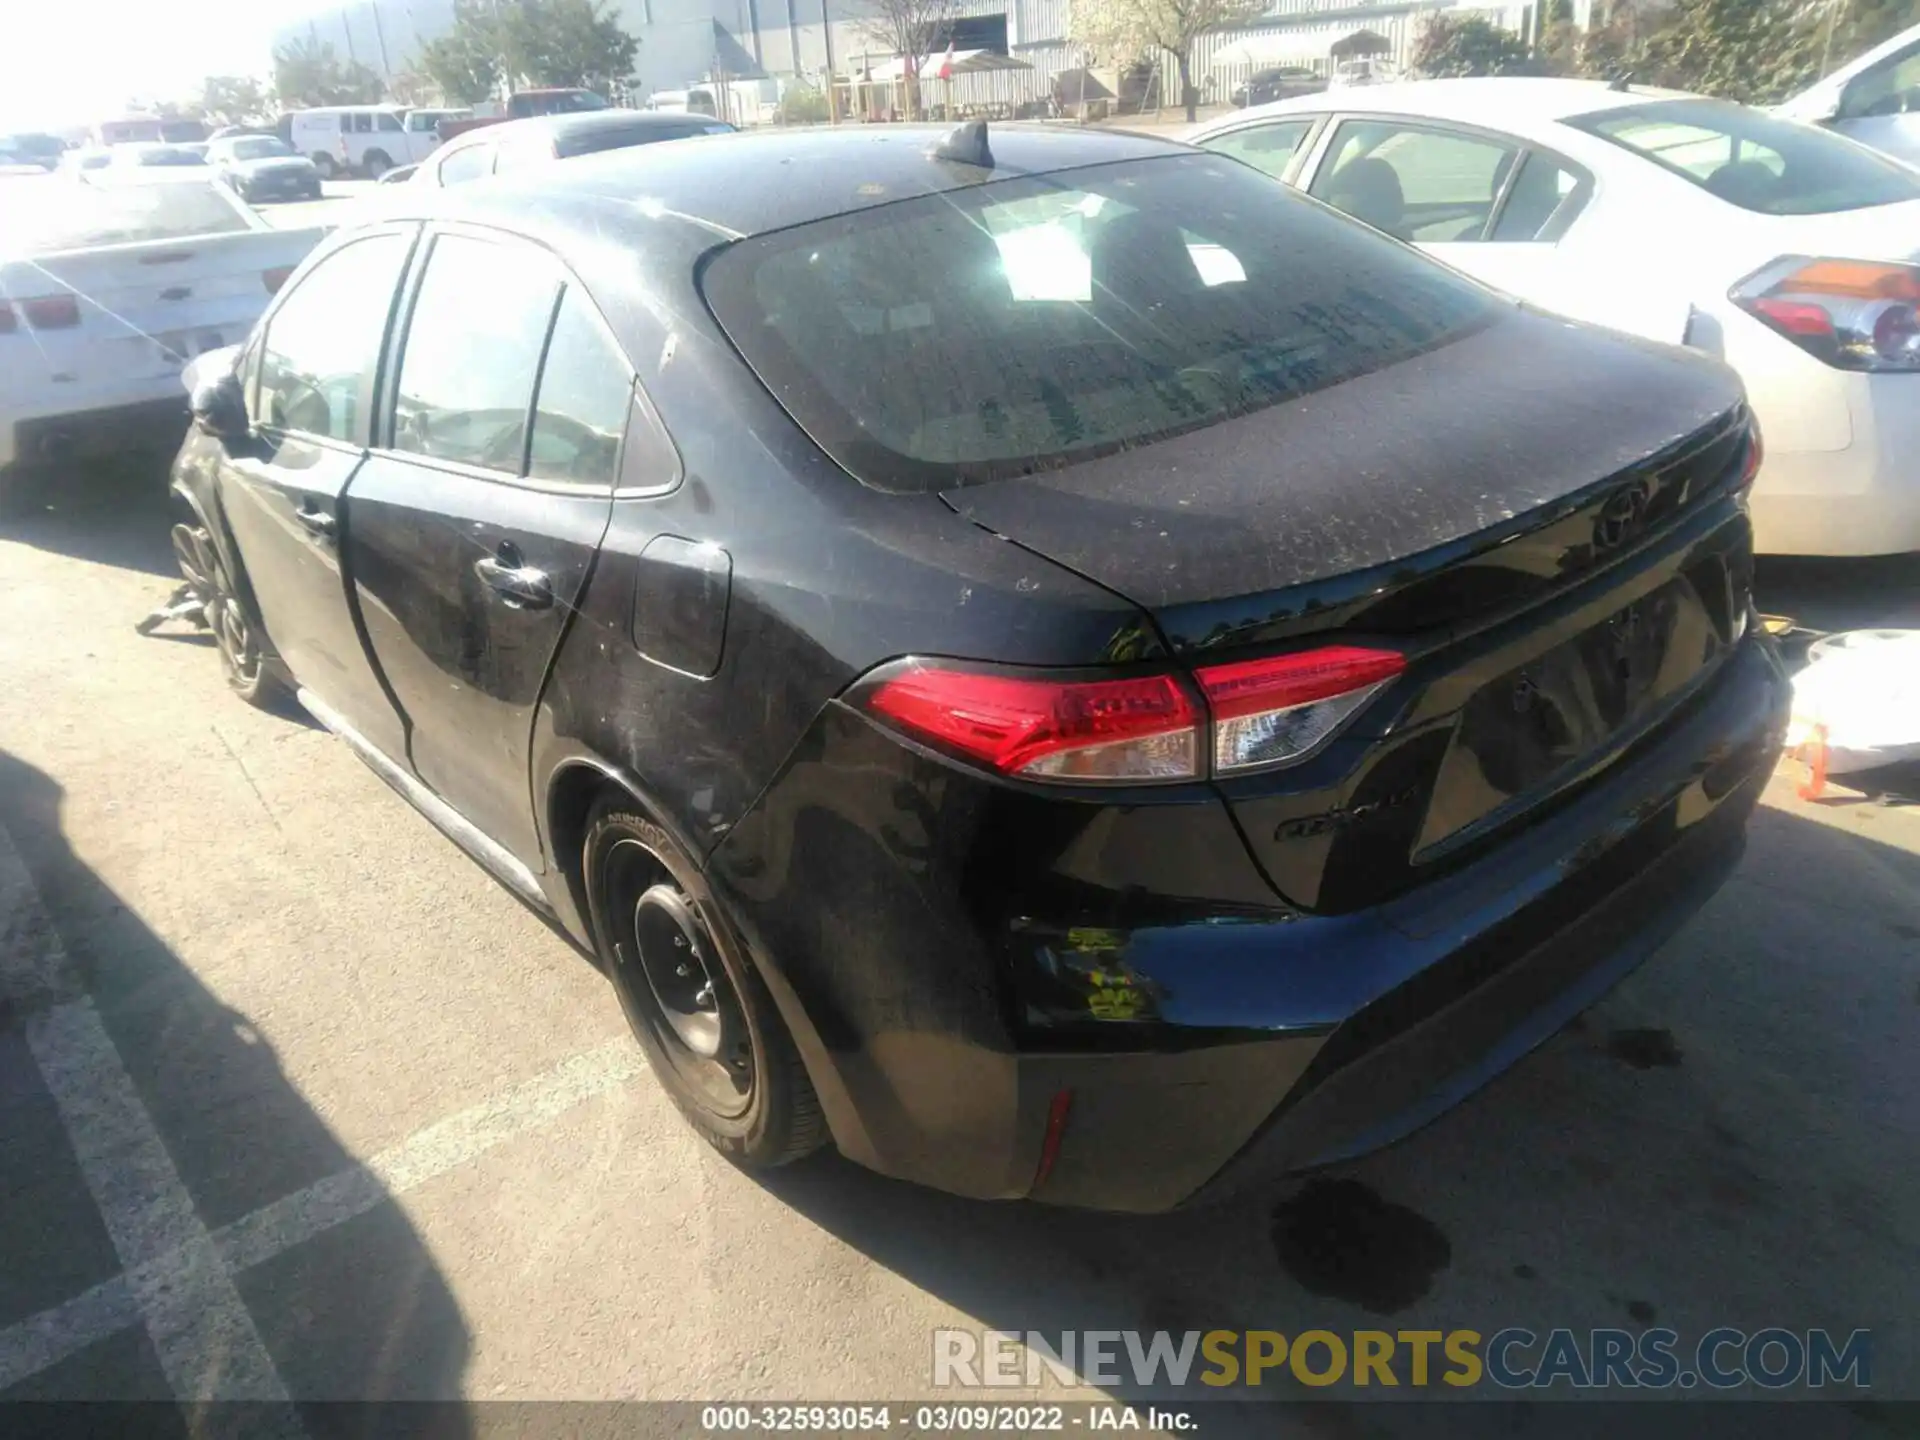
(1267, 712)
(1852, 314)
(1135, 729)
(51, 312)
(273, 279)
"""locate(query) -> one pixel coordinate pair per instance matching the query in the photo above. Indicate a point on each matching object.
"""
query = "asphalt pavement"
(297, 1103)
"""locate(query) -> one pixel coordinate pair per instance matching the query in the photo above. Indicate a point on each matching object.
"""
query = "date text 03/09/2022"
(944, 1419)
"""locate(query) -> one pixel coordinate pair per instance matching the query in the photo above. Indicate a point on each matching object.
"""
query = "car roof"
(1506, 102)
(582, 122)
(750, 182)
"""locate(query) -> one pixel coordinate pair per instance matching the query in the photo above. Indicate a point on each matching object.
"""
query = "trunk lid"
(147, 308)
(1537, 517)
(1878, 232)
(1236, 524)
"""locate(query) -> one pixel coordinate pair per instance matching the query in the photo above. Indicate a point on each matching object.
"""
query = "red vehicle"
(525, 103)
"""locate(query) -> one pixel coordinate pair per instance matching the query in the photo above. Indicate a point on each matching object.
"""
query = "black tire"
(376, 164)
(253, 671)
(750, 1097)
(25, 491)
(324, 163)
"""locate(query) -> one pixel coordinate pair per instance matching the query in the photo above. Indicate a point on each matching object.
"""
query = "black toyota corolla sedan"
(1046, 660)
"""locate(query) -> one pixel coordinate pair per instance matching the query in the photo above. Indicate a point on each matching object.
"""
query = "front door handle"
(517, 583)
(318, 522)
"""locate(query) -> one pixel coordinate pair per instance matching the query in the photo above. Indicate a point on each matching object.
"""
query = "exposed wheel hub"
(673, 956)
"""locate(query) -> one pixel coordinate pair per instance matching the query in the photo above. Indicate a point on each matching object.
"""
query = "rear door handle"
(519, 584)
(317, 522)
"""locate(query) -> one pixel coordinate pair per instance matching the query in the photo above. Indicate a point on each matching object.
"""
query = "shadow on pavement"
(1881, 593)
(112, 513)
(342, 1293)
(1728, 1139)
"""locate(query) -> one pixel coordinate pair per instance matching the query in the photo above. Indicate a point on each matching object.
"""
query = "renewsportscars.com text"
(1513, 1358)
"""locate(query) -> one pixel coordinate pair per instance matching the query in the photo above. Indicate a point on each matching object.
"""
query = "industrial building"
(684, 43)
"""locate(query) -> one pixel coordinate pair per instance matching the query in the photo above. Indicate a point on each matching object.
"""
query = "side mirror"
(220, 408)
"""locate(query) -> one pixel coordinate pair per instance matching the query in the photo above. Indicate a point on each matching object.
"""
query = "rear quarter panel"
(825, 580)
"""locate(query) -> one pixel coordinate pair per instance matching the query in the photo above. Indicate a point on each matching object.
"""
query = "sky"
(89, 57)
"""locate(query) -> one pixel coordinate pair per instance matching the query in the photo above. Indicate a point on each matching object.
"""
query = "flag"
(946, 65)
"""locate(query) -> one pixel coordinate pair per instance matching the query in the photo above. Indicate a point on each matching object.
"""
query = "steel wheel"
(670, 980)
(711, 1032)
(242, 655)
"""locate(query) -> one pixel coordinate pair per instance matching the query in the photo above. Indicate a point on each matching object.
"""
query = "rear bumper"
(156, 419)
(1860, 498)
(298, 187)
(1490, 962)
(1261, 1041)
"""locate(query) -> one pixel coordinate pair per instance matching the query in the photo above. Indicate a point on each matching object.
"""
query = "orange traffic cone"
(1814, 752)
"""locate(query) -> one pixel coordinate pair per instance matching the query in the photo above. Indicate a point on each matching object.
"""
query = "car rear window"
(619, 137)
(259, 148)
(1753, 160)
(1008, 328)
(81, 216)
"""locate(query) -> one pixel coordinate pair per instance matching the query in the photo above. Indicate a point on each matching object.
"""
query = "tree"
(1129, 28)
(1754, 51)
(465, 62)
(234, 100)
(308, 73)
(566, 42)
(910, 28)
(1472, 46)
(802, 105)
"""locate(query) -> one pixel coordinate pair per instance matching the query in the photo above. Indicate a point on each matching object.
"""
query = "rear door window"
(472, 353)
(1426, 185)
(1268, 148)
(1542, 201)
(1753, 160)
(1001, 329)
(321, 346)
(1890, 88)
(523, 154)
(471, 162)
(586, 391)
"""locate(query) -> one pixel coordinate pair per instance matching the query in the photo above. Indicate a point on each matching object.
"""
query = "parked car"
(1875, 99)
(1788, 251)
(523, 105)
(1371, 680)
(155, 154)
(79, 161)
(261, 168)
(527, 144)
(1280, 82)
(33, 148)
(110, 286)
(423, 130)
(358, 139)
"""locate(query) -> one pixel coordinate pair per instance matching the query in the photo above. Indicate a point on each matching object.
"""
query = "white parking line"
(201, 1330)
(43, 1340)
(440, 1147)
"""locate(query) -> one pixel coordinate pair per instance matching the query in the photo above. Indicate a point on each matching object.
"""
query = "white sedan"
(1785, 249)
(107, 288)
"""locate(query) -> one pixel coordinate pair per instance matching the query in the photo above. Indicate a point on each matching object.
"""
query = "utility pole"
(380, 34)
